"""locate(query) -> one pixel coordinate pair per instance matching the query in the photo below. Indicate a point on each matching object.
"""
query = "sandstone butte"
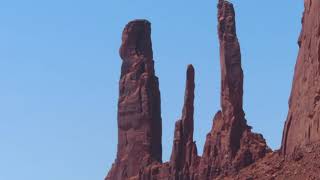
(232, 150)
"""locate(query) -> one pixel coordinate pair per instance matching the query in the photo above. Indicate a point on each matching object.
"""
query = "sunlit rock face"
(302, 124)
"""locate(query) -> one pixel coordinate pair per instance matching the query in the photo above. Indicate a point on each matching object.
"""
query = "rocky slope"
(305, 165)
(232, 150)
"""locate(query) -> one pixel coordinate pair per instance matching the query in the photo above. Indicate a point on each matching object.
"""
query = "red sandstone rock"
(275, 167)
(139, 114)
(184, 158)
(230, 145)
(302, 125)
(299, 157)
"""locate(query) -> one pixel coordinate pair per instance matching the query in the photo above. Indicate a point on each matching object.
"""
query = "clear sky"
(59, 72)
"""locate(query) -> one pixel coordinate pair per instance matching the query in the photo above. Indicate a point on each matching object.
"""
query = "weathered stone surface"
(302, 124)
(139, 112)
(184, 158)
(230, 62)
(231, 151)
(305, 166)
(230, 145)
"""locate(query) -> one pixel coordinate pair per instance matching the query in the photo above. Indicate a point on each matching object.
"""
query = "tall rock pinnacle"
(188, 107)
(230, 145)
(230, 61)
(303, 121)
(139, 113)
(184, 152)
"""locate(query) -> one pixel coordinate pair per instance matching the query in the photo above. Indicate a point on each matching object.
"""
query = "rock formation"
(184, 158)
(139, 114)
(302, 124)
(230, 145)
(232, 150)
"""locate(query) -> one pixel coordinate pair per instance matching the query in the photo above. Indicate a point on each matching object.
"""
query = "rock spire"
(230, 145)
(139, 112)
(184, 153)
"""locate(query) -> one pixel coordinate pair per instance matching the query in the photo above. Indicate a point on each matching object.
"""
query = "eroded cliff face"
(302, 124)
(139, 113)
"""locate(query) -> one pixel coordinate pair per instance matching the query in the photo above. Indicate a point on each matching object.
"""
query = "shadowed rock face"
(139, 114)
(302, 124)
(184, 158)
(230, 145)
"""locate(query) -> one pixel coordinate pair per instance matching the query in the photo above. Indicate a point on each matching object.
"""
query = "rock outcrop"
(184, 158)
(230, 145)
(232, 150)
(275, 166)
(302, 124)
(139, 112)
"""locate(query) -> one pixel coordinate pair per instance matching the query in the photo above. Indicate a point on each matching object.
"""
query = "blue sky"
(59, 72)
